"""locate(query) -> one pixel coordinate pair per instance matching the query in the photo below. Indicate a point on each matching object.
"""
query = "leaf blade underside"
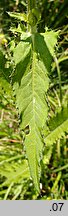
(31, 83)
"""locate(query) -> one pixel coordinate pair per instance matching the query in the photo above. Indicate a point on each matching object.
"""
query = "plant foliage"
(27, 65)
(58, 125)
(32, 59)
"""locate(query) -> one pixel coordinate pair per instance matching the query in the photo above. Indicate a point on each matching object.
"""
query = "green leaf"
(4, 75)
(23, 3)
(33, 59)
(14, 172)
(50, 38)
(58, 125)
(19, 16)
(21, 51)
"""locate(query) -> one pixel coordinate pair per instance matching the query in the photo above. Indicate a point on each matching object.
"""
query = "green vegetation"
(33, 100)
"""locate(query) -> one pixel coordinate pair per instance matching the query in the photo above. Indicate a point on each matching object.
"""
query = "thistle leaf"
(33, 59)
(19, 16)
(50, 38)
(58, 125)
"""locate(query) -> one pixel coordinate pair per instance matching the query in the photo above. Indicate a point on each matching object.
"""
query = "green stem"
(56, 182)
(8, 190)
(58, 149)
(61, 168)
(31, 4)
(28, 9)
(59, 76)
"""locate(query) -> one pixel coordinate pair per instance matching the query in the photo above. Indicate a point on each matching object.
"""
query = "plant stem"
(58, 149)
(8, 190)
(56, 183)
(61, 168)
(59, 76)
(31, 4)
